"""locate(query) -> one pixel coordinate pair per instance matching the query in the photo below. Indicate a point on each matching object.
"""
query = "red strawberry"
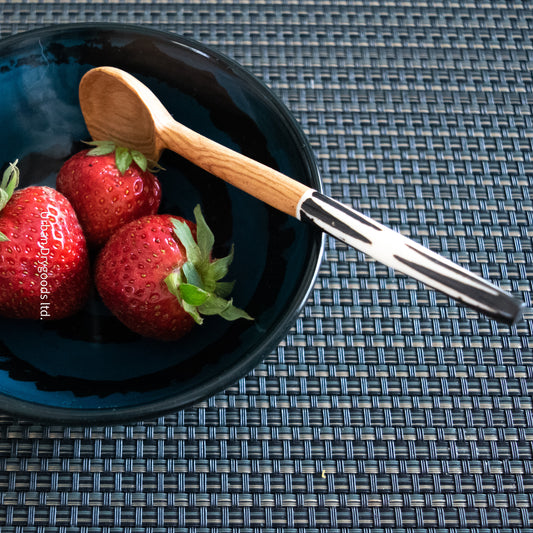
(44, 265)
(157, 276)
(108, 186)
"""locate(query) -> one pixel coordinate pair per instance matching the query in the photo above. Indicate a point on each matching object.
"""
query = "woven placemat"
(385, 408)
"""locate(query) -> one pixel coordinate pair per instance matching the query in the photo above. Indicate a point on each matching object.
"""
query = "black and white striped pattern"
(402, 254)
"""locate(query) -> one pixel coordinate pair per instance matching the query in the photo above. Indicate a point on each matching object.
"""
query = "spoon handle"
(400, 253)
(355, 229)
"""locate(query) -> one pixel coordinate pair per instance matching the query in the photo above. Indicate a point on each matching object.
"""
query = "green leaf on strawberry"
(197, 285)
(10, 181)
(124, 157)
(101, 147)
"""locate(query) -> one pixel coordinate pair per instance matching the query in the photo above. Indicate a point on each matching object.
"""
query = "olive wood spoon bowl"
(118, 107)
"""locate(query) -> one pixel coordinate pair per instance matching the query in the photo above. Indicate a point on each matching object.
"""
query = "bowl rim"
(215, 385)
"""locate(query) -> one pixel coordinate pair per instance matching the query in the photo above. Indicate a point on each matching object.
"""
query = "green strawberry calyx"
(197, 284)
(124, 157)
(9, 183)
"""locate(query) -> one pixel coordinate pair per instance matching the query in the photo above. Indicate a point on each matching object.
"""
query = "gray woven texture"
(385, 408)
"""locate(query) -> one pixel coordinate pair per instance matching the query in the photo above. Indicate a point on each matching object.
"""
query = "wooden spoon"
(118, 107)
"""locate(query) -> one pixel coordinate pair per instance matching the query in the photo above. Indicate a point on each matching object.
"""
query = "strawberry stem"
(124, 157)
(197, 285)
(10, 181)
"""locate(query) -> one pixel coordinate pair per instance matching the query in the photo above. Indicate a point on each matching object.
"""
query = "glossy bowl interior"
(89, 368)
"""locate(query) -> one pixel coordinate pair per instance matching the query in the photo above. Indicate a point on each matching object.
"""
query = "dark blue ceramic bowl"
(89, 368)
